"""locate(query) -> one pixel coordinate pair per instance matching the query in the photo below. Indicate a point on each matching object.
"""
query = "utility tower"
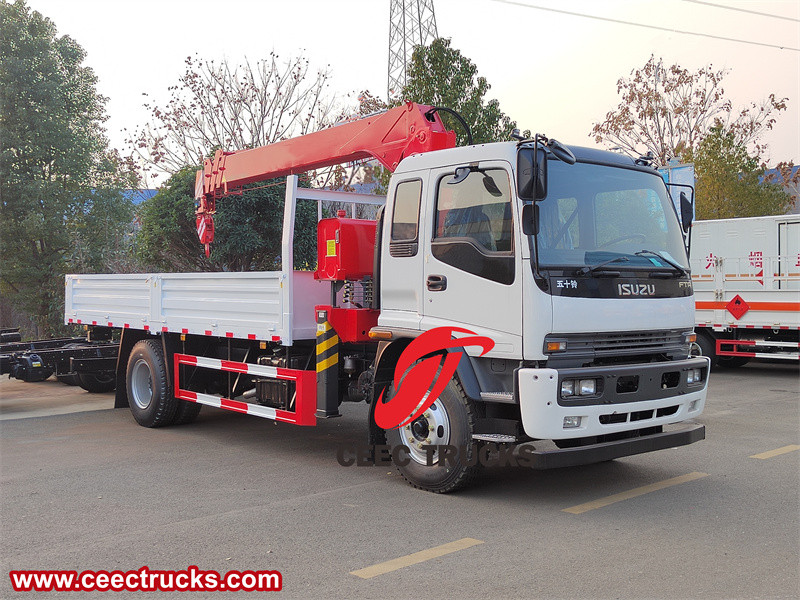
(411, 23)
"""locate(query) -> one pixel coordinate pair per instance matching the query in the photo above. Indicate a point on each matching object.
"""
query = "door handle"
(437, 283)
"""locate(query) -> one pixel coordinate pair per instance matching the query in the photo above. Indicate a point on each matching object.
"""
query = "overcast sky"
(553, 73)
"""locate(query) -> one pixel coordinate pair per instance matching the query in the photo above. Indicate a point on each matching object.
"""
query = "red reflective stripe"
(94, 322)
(229, 334)
(79, 321)
(188, 360)
(70, 320)
(184, 330)
(229, 365)
(165, 329)
(208, 332)
(146, 327)
(190, 396)
(126, 326)
(251, 336)
(233, 405)
(110, 324)
(783, 306)
(276, 338)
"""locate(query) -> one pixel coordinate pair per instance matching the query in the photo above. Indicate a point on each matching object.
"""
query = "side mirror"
(686, 212)
(530, 219)
(527, 179)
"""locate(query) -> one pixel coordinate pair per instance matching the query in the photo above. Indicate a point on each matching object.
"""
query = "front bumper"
(583, 455)
(543, 410)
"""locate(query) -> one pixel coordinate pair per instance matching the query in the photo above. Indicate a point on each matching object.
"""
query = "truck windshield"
(593, 214)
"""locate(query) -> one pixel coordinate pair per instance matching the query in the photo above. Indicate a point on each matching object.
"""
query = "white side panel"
(756, 259)
(238, 305)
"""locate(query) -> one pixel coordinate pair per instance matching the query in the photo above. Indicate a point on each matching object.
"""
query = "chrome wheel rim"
(141, 384)
(432, 428)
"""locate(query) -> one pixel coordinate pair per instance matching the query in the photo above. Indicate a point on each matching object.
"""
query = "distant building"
(138, 196)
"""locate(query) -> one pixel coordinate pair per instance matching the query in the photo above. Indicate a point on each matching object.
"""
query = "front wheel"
(446, 428)
(147, 380)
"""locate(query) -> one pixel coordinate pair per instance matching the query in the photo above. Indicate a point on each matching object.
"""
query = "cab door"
(472, 269)
(401, 255)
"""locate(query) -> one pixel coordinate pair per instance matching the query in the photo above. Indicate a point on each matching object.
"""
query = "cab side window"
(404, 235)
(474, 224)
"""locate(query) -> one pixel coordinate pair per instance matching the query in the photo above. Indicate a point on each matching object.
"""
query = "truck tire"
(97, 383)
(449, 421)
(69, 379)
(147, 381)
(186, 412)
(708, 347)
(732, 362)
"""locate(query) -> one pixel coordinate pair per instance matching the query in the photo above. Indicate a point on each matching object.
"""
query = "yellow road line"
(646, 489)
(776, 452)
(415, 558)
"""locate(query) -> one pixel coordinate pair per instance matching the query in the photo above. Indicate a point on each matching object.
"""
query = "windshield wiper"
(592, 269)
(658, 255)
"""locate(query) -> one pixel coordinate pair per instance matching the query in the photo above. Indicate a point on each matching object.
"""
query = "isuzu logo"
(636, 289)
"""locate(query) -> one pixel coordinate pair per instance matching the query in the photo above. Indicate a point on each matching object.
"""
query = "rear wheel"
(731, 362)
(708, 347)
(97, 383)
(69, 379)
(449, 421)
(147, 381)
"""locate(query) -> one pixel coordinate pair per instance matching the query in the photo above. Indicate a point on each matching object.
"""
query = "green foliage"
(61, 207)
(167, 240)
(441, 76)
(669, 110)
(247, 235)
(728, 180)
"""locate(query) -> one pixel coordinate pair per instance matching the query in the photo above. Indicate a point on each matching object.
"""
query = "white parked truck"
(571, 261)
(746, 277)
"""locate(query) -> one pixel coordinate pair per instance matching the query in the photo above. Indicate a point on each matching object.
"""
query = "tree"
(729, 182)
(248, 229)
(669, 110)
(62, 208)
(441, 76)
(216, 105)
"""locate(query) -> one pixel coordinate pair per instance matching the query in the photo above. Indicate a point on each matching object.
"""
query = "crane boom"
(387, 137)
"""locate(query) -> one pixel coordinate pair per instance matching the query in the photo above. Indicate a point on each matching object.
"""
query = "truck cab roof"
(506, 151)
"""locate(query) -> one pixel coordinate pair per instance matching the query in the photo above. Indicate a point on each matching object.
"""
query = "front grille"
(612, 343)
(618, 347)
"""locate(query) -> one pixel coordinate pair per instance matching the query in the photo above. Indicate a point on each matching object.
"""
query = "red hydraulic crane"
(387, 137)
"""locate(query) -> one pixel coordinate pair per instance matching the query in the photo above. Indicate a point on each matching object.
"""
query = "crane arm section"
(387, 137)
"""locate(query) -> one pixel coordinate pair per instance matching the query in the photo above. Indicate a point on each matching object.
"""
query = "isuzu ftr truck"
(572, 261)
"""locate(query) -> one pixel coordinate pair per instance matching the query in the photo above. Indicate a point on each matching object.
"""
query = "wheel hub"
(141, 384)
(430, 429)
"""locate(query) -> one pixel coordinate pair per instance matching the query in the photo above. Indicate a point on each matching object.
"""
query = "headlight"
(588, 387)
(579, 387)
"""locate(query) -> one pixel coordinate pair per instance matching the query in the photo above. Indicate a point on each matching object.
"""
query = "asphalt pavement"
(89, 489)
